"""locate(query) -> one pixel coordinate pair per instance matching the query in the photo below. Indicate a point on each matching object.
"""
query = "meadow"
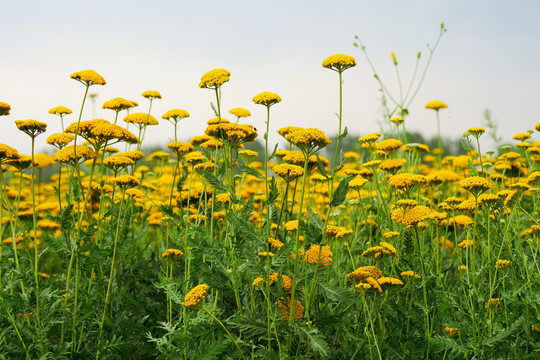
(207, 249)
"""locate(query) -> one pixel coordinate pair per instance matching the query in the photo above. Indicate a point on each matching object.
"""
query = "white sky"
(489, 58)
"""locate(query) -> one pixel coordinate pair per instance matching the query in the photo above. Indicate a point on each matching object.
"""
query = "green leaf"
(316, 341)
(273, 153)
(345, 133)
(215, 350)
(321, 168)
(341, 192)
(56, 245)
(338, 294)
(214, 181)
(251, 171)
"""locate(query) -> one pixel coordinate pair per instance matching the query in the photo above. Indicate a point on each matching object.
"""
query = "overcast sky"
(489, 58)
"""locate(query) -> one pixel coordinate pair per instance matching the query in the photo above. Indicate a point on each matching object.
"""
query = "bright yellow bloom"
(151, 94)
(288, 172)
(172, 255)
(436, 105)
(410, 273)
(397, 120)
(214, 78)
(5, 108)
(31, 127)
(476, 131)
(521, 136)
(266, 98)
(88, 77)
(175, 115)
(60, 139)
(312, 256)
(141, 119)
(180, 148)
(339, 62)
(240, 112)
(117, 104)
(195, 296)
(308, 139)
(60, 110)
(68, 155)
(134, 155)
(284, 310)
(411, 217)
(125, 181)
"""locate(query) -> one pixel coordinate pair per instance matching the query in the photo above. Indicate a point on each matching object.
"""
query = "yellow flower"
(450, 331)
(180, 148)
(312, 256)
(68, 155)
(475, 184)
(411, 217)
(436, 105)
(389, 281)
(240, 112)
(288, 172)
(141, 119)
(7, 152)
(5, 108)
(308, 140)
(134, 155)
(60, 110)
(392, 166)
(275, 244)
(117, 104)
(389, 145)
(125, 181)
(151, 94)
(521, 136)
(175, 115)
(31, 127)
(500, 264)
(476, 131)
(339, 62)
(214, 78)
(88, 77)
(410, 273)
(267, 98)
(195, 296)
(397, 120)
(43, 160)
(172, 255)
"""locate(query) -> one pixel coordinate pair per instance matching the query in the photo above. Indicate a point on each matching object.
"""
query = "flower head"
(195, 296)
(141, 118)
(151, 94)
(60, 110)
(288, 172)
(88, 77)
(339, 62)
(175, 115)
(436, 105)
(118, 104)
(31, 127)
(5, 108)
(172, 255)
(240, 112)
(267, 98)
(214, 78)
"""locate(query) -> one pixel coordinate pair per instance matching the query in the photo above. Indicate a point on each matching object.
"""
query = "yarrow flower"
(214, 78)
(125, 181)
(411, 217)
(308, 140)
(436, 105)
(195, 296)
(312, 256)
(239, 113)
(88, 77)
(288, 172)
(267, 98)
(151, 94)
(5, 108)
(172, 255)
(72, 154)
(118, 104)
(31, 128)
(339, 62)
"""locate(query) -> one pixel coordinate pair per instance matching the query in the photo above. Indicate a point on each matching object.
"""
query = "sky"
(487, 59)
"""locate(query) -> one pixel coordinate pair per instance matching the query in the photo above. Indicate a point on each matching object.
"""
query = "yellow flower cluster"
(363, 273)
(288, 172)
(357, 183)
(312, 256)
(284, 310)
(240, 112)
(141, 118)
(5, 108)
(450, 331)
(308, 139)
(392, 166)
(214, 78)
(60, 110)
(436, 105)
(172, 255)
(118, 104)
(134, 155)
(195, 296)
(175, 114)
(410, 273)
(69, 154)
(500, 264)
(338, 232)
(7, 152)
(31, 127)
(389, 145)
(339, 62)
(88, 77)
(151, 94)
(475, 184)
(267, 98)
(476, 131)
(180, 148)
(124, 181)
(117, 161)
(234, 133)
(99, 131)
(411, 217)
